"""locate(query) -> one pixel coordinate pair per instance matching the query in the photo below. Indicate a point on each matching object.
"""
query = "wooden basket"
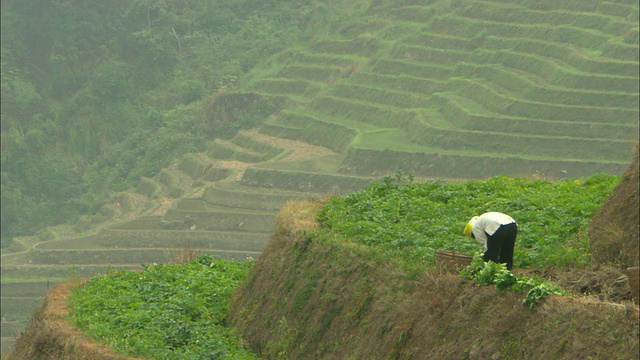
(633, 283)
(452, 260)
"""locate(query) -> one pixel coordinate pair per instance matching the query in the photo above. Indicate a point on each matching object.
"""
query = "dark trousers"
(500, 245)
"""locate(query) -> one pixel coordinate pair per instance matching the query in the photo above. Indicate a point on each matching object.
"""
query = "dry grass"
(614, 232)
(184, 255)
(299, 215)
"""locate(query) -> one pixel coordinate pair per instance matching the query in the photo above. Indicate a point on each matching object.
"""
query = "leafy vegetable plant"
(409, 221)
(164, 312)
(487, 273)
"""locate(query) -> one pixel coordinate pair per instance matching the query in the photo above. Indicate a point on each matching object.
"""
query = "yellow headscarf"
(468, 229)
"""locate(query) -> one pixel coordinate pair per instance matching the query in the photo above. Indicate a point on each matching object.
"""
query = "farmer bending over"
(497, 233)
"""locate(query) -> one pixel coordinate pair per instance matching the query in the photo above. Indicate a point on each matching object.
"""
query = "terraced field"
(470, 90)
(455, 90)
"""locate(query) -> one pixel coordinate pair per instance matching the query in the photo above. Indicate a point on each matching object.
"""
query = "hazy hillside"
(130, 129)
(98, 98)
(97, 95)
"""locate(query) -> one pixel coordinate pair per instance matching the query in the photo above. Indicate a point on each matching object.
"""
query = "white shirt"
(488, 223)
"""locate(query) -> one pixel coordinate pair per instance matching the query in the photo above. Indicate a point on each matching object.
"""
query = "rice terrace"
(193, 180)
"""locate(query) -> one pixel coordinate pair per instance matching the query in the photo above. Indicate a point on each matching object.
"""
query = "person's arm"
(480, 236)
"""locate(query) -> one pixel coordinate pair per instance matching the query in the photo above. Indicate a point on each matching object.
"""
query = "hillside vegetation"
(131, 129)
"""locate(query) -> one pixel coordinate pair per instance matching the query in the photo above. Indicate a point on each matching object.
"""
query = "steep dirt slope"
(614, 233)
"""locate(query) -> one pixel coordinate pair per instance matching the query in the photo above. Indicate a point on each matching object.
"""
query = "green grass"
(623, 51)
(194, 166)
(529, 88)
(304, 181)
(399, 82)
(619, 10)
(309, 72)
(407, 66)
(519, 67)
(248, 198)
(249, 142)
(323, 165)
(309, 127)
(487, 95)
(557, 75)
(381, 96)
(18, 308)
(415, 14)
(390, 139)
(162, 240)
(462, 164)
(228, 150)
(379, 115)
(547, 147)
(508, 13)
(466, 114)
(328, 59)
(340, 124)
(436, 56)
(360, 46)
(565, 53)
(440, 41)
(291, 87)
(466, 26)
